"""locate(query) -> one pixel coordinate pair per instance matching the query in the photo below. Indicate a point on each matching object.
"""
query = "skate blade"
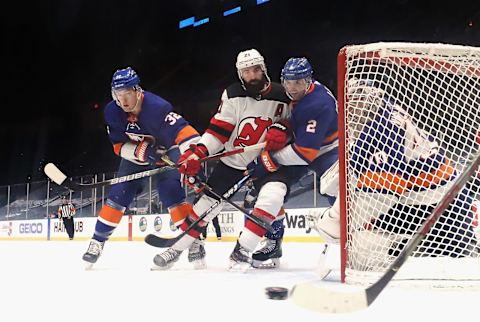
(271, 263)
(88, 266)
(238, 267)
(160, 268)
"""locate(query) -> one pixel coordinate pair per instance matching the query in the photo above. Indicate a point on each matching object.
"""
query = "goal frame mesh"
(393, 53)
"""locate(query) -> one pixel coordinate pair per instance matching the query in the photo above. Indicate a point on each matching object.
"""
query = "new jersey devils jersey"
(242, 120)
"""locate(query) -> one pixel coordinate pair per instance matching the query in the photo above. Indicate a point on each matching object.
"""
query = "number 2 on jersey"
(311, 125)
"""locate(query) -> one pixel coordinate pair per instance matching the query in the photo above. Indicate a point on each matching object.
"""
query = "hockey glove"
(189, 162)
(146, 152)
(277, 136)
(262, 166)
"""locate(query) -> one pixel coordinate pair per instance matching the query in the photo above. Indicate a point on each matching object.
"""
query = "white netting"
(412, 120)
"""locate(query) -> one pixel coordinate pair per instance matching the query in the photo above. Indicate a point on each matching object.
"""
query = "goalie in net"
(398, 174)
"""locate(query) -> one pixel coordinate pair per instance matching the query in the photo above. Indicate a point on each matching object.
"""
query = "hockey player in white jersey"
(247, 110)
(404, 170)
(315, 145)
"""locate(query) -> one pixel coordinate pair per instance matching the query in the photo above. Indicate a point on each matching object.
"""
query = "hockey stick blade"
(54, 173)
(325, 300)
(161, 242)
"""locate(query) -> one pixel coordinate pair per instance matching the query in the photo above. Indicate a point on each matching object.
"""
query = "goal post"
(409, 121)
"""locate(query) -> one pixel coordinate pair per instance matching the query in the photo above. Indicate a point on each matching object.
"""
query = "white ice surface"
(46, 281)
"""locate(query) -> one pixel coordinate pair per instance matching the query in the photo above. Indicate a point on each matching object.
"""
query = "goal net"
(410, 121)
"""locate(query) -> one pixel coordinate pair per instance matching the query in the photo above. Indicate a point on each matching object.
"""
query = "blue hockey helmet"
(296, 77)
(297, 68)
(125, 78)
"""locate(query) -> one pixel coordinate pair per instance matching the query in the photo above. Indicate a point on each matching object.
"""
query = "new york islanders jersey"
(393, 155)
(156, 120)
(242, 121)
(315, 126)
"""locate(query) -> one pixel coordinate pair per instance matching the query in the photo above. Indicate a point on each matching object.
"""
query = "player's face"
(296, 88)
(252, 75)
(128, 99)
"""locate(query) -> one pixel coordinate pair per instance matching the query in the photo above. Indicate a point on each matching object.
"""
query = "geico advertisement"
(24, 228)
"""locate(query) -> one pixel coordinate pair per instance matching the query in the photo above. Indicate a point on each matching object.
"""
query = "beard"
(254, 87)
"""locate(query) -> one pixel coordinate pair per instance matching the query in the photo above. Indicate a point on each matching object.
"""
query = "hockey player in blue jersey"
(314, 146)
(142, 127)
(403, 171)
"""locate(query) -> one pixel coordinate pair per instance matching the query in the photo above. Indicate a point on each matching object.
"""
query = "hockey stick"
(234, 151)
(162, 242)
(57, 176)
(206, 187)
(330, 301)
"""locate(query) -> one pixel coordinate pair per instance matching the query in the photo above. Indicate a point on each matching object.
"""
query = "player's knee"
(179, 212)
(273, 192)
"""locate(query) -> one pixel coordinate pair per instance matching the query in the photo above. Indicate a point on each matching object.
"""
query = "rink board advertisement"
(138, 226)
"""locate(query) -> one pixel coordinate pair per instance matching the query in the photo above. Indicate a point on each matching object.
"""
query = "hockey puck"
(276, 293)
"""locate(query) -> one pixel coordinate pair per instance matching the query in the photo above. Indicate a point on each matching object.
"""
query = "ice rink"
(46, 281)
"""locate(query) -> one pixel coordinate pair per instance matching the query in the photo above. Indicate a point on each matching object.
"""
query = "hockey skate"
(196, 254)
(239, 259)
(166, 259)
(269, 255)
(327, 226)
(93, 252)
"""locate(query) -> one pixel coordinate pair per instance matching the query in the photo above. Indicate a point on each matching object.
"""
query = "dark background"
(59, 56)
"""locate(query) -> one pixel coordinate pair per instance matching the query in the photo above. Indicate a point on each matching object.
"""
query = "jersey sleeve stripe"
(187, 133)
(331, 138)
(396, 183)
(288, 156)
(307, 154)
(117, 147)
(220, 129)
(428, 179)
(222, 124)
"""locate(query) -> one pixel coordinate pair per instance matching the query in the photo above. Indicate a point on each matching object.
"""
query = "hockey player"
(315, 145)
(405, 171)
(142, 127)
(247, 110)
